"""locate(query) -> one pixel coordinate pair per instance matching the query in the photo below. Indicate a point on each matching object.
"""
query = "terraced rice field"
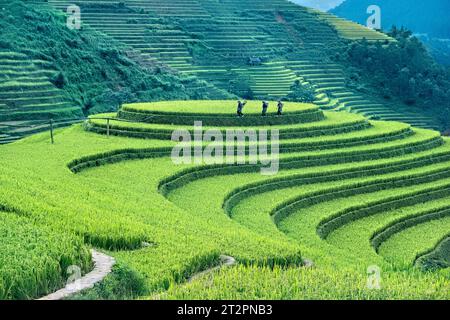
(213, 41)
(27, 96)
(350, 194)
(350, 30)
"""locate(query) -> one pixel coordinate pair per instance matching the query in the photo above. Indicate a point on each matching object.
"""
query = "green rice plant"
(307, 284)
(166, 222)
(34, 259)
(412, 242)
(332, 124)
(217, 113)
(436, 258)
(103, 218)
(294, 178)
(407, 222)
(332, 223)
(212, 107)
(314, 158)
(357, 236)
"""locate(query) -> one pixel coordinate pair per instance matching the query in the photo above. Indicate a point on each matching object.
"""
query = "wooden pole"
(51, 131)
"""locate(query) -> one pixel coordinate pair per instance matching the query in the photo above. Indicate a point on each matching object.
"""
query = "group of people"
(265, 106)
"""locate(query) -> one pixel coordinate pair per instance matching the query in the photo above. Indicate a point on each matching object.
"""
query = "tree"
(301, 93)
(59, 80)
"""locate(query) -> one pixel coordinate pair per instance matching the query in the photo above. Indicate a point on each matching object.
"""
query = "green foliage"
(438, 258)
(407, 222)
(332, 124)
(59, 80)
(223, 115)
(163, 224)
(326, 227)
(301, 93)
(239, 194)
(215, 42)
(34, 258)
(122, 284)
(304, 284)
(402, 70)
(93, 70)
(213, 108)
(241, 87)
(420, 243)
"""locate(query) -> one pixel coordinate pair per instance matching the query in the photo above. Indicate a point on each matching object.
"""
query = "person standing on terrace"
(240, 108)
(265, 106)
(280, 108)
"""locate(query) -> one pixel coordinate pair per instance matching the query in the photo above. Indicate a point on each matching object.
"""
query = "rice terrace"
(219, 150)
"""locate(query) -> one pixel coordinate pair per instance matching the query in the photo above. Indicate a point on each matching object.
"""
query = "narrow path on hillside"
(102, 267)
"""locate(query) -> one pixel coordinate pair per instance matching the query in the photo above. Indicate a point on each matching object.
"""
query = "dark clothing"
(264, 112)
(240, 108)
(265, 106)
(280, 108)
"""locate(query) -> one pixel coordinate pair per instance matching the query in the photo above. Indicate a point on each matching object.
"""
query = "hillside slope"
(347, 194)
(252, 49)
(48, 71)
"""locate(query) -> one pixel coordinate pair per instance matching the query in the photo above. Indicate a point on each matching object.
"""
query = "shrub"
(301, 93)
(402, 70)
(59, 80)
